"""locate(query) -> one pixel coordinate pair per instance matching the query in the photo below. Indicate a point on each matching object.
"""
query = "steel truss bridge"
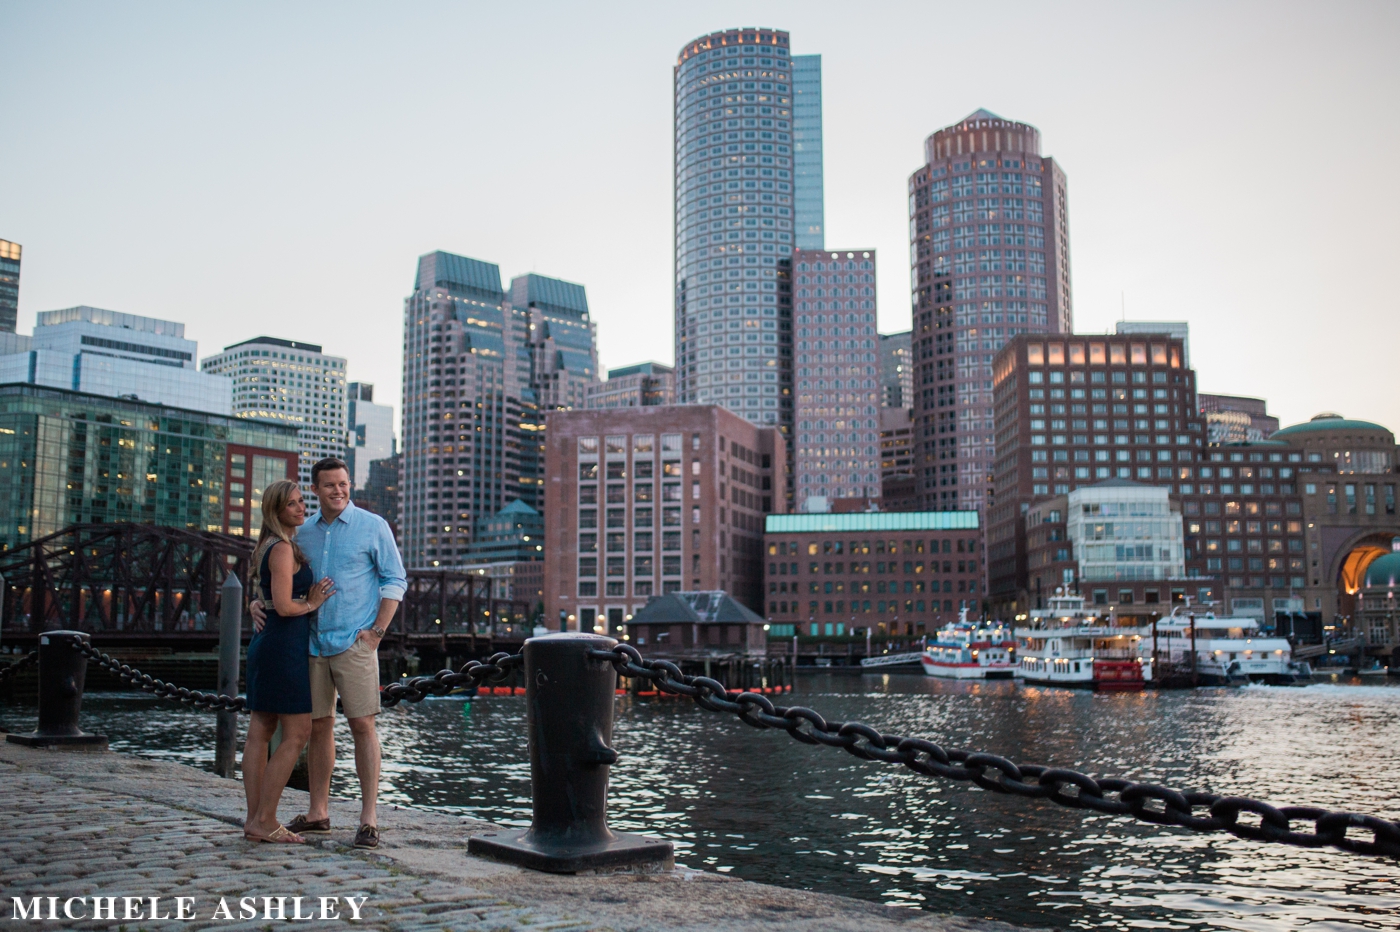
(149, 585)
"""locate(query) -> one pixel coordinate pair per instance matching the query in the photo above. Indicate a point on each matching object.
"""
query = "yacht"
(969, 650)
(1067, 644)
(1227, 651)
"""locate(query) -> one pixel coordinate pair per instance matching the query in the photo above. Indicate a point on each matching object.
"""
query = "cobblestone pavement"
(79, 824)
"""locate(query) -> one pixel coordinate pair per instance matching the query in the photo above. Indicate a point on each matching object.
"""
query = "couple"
(312, 641)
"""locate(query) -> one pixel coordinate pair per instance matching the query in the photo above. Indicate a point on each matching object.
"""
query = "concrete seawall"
(90, 825)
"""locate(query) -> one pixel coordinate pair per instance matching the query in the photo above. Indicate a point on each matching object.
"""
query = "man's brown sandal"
(367, 837)
(304, 826)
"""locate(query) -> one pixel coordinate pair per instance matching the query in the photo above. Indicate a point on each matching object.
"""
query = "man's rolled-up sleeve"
(393, 580)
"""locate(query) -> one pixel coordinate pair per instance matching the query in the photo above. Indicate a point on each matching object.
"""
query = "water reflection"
(770, 809)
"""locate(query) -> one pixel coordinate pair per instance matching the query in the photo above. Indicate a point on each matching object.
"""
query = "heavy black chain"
(13, 668)
(473, 673)
(1146, 802)
(150, 684)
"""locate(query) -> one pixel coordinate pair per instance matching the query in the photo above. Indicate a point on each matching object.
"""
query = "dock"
(103, 824)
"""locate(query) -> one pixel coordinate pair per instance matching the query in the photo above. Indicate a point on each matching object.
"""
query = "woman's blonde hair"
(275, 498)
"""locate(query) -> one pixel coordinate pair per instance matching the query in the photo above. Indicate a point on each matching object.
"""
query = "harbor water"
(759, 805)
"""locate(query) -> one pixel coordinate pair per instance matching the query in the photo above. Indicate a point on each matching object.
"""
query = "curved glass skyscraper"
(735, 218)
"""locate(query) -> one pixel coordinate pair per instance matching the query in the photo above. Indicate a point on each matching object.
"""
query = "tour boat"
(1069, 645)
(1228, 651)
(966, 650)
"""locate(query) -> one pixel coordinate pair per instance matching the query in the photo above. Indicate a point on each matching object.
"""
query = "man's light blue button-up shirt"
(357, 551)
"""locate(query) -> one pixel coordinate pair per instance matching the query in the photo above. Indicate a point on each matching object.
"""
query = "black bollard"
(62, 672)
(569, 698)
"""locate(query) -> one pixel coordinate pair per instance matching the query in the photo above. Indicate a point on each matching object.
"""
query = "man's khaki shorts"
(354, 674)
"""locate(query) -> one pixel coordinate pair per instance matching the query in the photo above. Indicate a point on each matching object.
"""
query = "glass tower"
(9, 285)
(735, 218)
(807, 150)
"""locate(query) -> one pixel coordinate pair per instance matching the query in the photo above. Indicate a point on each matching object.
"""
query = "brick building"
(898, 487)
(1285, 525)
(901, 574)
(989, 256)
(1233, 419)
(1072, 411)
(836, 427)
(641, 502)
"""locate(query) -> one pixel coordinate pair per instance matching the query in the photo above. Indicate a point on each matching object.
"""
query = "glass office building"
(807, 151)
(371, 435)
(734, 223)
(71, 457)
(90, 349)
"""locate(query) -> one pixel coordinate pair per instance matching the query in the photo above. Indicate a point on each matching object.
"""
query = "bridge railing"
(137, 579)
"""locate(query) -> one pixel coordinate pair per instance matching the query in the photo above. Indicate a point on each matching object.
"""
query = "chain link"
(1146, 802)
(13, 668)
(473, 673)
(150, 684)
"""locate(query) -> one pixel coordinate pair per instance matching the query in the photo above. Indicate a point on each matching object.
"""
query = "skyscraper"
(735, 219)
(293, 383)
(896, 371)
(989, 246)
(479, 372)
(836, 427)
(370, 433)
(563, 340)
(9, 285)
(810, 199)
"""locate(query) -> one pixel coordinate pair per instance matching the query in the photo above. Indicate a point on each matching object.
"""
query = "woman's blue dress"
(279, 678)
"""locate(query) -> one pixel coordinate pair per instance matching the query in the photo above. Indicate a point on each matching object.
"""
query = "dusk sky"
(277, 169)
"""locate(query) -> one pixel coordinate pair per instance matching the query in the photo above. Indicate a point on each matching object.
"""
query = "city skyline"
(259, 183)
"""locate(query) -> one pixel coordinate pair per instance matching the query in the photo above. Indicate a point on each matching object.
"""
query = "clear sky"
(278, 168)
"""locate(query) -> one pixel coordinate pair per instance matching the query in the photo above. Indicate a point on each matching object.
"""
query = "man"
(356, 550)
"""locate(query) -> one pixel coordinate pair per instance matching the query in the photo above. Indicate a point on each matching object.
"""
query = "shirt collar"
(343, 517)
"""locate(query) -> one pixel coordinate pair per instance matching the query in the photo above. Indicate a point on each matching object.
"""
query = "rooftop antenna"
(1123, 305)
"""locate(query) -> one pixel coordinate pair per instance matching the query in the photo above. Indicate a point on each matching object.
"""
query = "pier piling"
(230, 646)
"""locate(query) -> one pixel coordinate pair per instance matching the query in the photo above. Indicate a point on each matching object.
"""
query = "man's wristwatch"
(379, 632)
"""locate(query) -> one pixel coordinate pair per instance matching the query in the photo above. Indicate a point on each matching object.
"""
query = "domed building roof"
(1327, 422)
(1383, 572)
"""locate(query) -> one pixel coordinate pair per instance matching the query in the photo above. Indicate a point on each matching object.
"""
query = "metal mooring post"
(62, 672)
(569, 698)
(230, 643)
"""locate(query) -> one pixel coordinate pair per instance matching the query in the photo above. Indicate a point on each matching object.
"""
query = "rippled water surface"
(767, 808)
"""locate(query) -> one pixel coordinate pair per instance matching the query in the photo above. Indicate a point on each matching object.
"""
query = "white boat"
(966, 650)
(1228, 650)
(1067, 644)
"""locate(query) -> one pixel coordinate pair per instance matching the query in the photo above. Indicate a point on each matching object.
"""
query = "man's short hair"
(326, 465)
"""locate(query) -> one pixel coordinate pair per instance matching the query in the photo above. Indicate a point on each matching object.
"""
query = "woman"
(279, 683)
